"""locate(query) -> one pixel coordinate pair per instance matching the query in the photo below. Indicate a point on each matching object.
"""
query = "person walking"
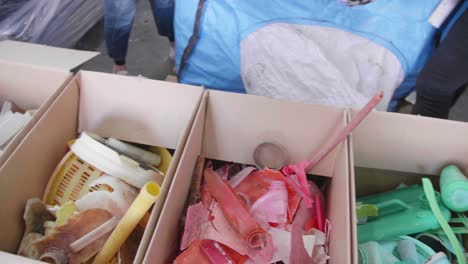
(118, 22)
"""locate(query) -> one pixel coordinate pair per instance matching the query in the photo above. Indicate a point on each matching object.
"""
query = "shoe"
(120, 70)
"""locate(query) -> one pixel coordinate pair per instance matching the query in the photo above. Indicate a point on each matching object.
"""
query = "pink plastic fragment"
(296, 176)
(298, 253)
(303, 215)
(319, 256)
(273, 205)
(220, 230)
(215, 253)
(282, 242)
(302, 168)
(197, 217)
(240, 176)
(257, 239)
(258, 183)
(228, 170)
(338, 138)
(320, 213)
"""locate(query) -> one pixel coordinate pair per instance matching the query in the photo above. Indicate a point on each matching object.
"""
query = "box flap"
(409, 143)
(42, 55)
(109, 105)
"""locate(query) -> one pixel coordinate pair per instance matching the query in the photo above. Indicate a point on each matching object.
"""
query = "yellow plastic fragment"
(145, 199)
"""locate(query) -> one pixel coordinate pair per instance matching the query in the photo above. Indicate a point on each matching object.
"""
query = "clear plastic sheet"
(58, 23)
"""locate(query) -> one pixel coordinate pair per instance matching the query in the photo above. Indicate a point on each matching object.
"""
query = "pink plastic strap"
(297, 177)
(334, 141)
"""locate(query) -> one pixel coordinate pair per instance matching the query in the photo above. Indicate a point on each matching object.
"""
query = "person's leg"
(163, 12)
(118, 21)
(444, 74)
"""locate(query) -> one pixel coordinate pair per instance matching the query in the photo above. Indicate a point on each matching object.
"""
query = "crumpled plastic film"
(58, 23)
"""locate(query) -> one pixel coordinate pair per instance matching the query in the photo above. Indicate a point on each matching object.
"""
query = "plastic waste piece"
(193, 254)
(49, 227)
(166, 158)
(257, 183)
(56, 246)
(70, 180)
(257, 239)
(116, 197)
(220, 230)
(338, 138)
(386, 251)
(215, 253)
(370, 253)
(197, 216)
(320, 212)
(273, 205)
(35, 215)
(401, 212)
(7, 106)
(134, 152)
(210, 252)
(228, 170)
(439, 258)
(26, 248)
(320, 256)
(10, 124)
(454, 189)
(145, 199)
(365, 210)
(298, 253)
(436, 209)
(64, 212)
(240, 176)
(407, 251)
(89, 148)
(437, 242)
(95, 234)
(297, 177)
(282, 242)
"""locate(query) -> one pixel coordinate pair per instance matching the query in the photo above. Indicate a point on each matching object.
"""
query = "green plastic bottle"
(454, 189)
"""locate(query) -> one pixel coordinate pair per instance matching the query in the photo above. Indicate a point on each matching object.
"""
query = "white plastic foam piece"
(10, 124)
(91, 149)
(6, 107)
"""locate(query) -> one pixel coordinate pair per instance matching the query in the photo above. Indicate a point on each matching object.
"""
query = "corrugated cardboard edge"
(167, 184)
(352, 198)
(195, 132)
(43, 55)
(18, 138)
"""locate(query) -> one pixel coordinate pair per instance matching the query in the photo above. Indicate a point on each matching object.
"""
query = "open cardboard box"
(32, 76)
(128, 108)
(29, 87)
(229, 127)
(390, 149)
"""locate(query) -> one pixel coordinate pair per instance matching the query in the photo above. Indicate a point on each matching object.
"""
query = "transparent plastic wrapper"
(58, 23)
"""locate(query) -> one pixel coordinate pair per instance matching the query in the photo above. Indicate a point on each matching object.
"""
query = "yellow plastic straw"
(148, 195)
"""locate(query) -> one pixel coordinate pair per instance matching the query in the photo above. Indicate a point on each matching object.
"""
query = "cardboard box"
(127, 108)
(229, 127)
(391, 148)
(29, 87)
(32, 76)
